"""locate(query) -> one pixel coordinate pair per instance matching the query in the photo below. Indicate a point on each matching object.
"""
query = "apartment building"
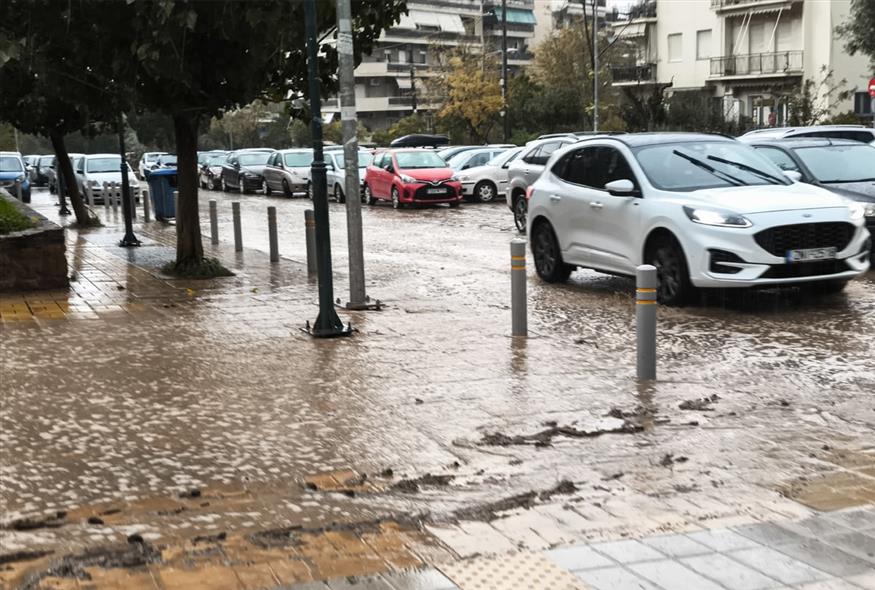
(390, 83)
(744, 53)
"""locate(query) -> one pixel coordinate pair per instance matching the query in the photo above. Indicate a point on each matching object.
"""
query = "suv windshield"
(706, 164)
(10, 164)
(419, 160)
(298, 159)
(839, 163)
(97, 165)
(254, 158)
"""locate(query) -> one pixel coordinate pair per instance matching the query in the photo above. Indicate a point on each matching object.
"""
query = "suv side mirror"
(621, 188)
(793, 175)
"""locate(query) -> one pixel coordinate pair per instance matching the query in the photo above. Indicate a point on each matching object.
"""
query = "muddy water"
(229, 392)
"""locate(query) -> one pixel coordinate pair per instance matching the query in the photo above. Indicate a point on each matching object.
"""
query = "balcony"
(754, 65)
(740, 5)
(628, 75)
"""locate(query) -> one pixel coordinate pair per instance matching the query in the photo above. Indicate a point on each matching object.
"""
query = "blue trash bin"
(162, 183)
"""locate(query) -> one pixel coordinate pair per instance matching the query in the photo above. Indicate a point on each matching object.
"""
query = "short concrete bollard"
(519, 306)
(89, 194)
(271, 234)
(310, 229)
(144, 194)
(106, 196)
(214, 223)
(112, 196)
(238, 232)
(645, 320)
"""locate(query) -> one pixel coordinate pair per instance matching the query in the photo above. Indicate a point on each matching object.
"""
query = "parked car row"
(13, 171)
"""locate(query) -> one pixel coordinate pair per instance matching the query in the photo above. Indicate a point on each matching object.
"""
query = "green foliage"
(810, 103)
(206, 268)
(12, 219)
(859, 29)
(846, 118)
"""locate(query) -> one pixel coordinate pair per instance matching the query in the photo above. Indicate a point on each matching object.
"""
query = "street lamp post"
(504, 113)
(595, 65)
(130, 239)
(327, 324)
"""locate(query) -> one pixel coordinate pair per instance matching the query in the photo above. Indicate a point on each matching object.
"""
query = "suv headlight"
(407, 179)
(856, 211)
(93, 183)
(716, 218)
(869, 210)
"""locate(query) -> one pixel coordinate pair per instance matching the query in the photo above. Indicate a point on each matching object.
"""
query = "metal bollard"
(271, 234)
(214, 223)
(112, 189)
(176, 204)
(310, 228)
(238, 232)
(519, 309)
(106, 196)
(89, 193)
(144, 194)
(645, 320)
(18, 194)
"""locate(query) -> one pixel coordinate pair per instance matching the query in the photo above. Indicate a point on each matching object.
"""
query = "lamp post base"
(336, 330)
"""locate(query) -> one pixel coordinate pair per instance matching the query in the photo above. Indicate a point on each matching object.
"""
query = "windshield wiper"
(840, 181)
(709, 168)
(741, 166)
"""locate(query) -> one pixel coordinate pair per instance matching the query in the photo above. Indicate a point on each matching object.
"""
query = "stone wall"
(33, 259)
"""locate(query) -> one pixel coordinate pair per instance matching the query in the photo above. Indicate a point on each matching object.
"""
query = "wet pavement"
(135, 388)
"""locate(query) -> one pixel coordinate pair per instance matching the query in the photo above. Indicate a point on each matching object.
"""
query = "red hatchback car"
(411, 176)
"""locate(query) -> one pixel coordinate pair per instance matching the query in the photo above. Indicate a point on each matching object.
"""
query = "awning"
(406, 22)
(517, 16)
(631, 30)
(447, 23)
(404, 83)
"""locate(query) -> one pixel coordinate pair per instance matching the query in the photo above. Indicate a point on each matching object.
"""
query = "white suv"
(706, 210)
(852, 132)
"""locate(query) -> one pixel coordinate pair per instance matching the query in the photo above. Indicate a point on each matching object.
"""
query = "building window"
(862, 104)
(703, 44)
(387, 55)
(675, 47)
(402, 56)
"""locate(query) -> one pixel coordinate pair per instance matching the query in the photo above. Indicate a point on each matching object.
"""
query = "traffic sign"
(872, 87)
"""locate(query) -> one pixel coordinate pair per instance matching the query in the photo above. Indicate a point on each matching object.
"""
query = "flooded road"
(215, 387)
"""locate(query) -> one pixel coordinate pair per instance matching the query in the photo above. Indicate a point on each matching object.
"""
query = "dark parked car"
(244, 170)
(843, 166)
(210, 169)
(40, 170)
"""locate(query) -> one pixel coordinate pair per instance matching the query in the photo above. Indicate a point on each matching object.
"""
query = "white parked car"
(336, 172)
(95, 169)
(852, 132)
(706, 210)
(484, 183)
(148, 161)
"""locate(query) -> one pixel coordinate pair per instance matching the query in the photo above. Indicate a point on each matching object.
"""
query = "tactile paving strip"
(521, 571)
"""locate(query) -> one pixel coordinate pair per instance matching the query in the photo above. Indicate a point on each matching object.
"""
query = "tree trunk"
(189, 248)
(66, 169)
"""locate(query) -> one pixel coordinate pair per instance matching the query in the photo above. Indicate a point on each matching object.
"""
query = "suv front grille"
(778, 240)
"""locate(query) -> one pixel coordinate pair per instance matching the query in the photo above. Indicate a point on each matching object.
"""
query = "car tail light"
(529, 193)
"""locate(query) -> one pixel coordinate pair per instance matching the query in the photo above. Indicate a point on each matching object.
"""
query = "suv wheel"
(548, 258)
(396, 198)
(673, 277)
(520, 211)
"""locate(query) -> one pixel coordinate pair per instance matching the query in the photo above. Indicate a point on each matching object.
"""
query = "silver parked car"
(288, 171)
(337, 172)
(484, 183)
(526, 169)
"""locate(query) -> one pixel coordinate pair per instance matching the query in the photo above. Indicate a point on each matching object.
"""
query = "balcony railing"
(401, 100)
(640, 73)
(757, 64)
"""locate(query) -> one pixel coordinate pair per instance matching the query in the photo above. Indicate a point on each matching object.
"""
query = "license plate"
(437, 191)
(811, 254)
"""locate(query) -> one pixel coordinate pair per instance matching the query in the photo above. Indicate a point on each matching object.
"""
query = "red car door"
(374, 175)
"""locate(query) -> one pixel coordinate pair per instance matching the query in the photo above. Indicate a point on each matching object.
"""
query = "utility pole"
(412, 87)
(504, 113)
(130, 239)
(348, 118)
(595, 66)
(327, 324)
